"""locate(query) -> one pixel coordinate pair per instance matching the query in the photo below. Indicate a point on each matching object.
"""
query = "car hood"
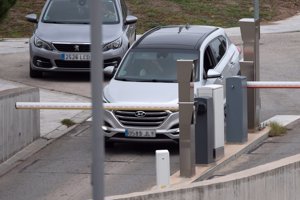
(75, 33)
(141, 92)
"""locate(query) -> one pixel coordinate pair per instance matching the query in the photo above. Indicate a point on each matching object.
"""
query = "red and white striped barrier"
(272, 84)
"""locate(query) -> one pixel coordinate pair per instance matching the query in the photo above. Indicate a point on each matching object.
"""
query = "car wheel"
(34, 73)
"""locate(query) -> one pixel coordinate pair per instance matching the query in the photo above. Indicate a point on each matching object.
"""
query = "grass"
(153, 13)
(67, 122)
(276, 129)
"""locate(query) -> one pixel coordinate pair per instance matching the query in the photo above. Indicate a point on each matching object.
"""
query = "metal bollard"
(204, 130)
(236, 110)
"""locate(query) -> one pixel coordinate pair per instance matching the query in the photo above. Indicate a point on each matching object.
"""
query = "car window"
(153, 65)
(78, 12)
(214, 53)
(217, 49)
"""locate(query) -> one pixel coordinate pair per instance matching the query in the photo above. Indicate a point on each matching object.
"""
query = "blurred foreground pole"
(256, 9)
(97, 111)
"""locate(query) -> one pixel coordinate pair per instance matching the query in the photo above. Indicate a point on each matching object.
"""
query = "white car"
(148, 74)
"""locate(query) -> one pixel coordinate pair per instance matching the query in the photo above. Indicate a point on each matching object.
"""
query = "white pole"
(162, 168)
(96, 10)
(88, 106)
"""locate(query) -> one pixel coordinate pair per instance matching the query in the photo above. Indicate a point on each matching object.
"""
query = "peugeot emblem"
(140, 114)
(76, 47)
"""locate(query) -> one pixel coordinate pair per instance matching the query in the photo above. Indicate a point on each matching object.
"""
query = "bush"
(276, 129)
(5, 5)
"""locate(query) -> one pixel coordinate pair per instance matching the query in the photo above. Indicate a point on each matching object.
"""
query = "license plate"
(76, 56)
(140, 133)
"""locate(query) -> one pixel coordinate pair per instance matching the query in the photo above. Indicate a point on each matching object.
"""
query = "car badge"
(140, 114)
(76, 48)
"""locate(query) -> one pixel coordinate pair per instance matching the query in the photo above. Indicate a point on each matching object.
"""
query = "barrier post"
(250, 32)
(236, 110)
(185, 77)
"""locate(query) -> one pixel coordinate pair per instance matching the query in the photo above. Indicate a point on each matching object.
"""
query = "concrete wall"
(279, 180)
(18, 128)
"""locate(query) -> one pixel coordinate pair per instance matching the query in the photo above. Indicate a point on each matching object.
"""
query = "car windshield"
(157, 65)
(78, 12)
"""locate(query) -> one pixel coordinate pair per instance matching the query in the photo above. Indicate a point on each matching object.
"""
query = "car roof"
(179, 37)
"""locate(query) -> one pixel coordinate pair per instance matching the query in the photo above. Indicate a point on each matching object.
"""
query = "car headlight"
(113, 45)
(42, 44)
(104, 99)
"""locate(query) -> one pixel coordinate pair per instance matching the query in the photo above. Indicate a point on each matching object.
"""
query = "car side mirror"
(130, 20)
(32, 18)
(109, 71)
(213, 74)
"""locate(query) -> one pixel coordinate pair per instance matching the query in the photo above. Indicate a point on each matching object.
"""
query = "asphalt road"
(129, 167)
(62, 170)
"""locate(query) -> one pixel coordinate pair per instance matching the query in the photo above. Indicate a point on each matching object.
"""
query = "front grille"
(72, 64)
(149, 119)
(72, 47)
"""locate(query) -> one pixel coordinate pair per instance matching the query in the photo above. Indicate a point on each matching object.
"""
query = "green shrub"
(67, 122)
(5, 5)
(276, 129)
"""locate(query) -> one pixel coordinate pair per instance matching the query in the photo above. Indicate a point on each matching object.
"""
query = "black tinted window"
(217, 49)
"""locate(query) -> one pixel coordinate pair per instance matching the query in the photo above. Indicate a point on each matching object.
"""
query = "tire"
(35, 73)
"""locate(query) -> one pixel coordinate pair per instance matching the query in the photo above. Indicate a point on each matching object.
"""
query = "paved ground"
(272, 149)
(62, 170)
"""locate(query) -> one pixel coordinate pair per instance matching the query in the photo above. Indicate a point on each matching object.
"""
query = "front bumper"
(115, 131)
(51, 61)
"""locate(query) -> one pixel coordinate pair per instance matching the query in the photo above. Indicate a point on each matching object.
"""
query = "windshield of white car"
(155, 65)
(78, 12)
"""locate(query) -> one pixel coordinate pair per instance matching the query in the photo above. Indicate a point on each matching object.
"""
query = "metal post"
(236, 110)
(185, 75)
(250, 32)
(256, 9)
(97, 112)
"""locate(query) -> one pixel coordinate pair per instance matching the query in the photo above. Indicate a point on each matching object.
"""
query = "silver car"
(61, 40)
(148, 74)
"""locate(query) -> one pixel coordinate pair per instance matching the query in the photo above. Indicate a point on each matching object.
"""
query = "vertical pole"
(256, 9)
(97, 107)
(185, 76)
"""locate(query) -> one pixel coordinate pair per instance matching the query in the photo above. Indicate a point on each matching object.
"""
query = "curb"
(41, 143)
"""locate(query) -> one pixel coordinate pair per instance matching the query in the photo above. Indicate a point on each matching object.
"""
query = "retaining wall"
(278, 180)
(18, 128)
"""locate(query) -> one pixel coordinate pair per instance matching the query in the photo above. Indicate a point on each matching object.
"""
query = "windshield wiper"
(122, 79)
(58, 22)
(156, 80)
